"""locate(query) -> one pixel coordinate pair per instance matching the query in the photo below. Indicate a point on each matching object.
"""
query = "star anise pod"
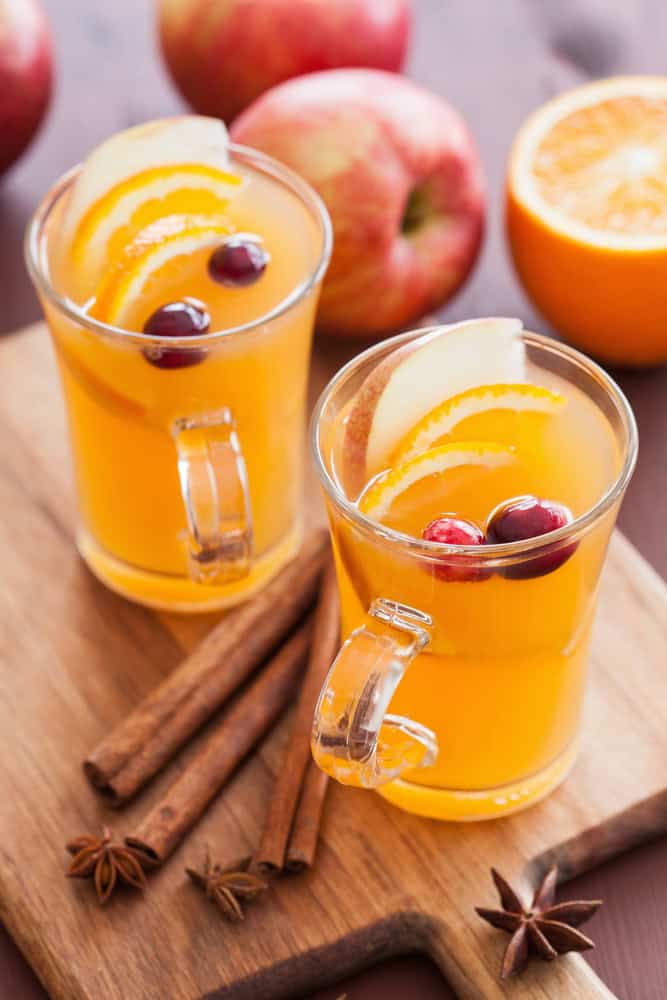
(228, 887)
(106, 862)
(546, 929)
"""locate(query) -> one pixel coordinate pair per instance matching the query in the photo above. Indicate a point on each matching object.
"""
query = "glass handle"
(354, 739)
(214, 485)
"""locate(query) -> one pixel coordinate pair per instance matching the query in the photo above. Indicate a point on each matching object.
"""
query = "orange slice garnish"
(377, 500)
(443, 420)
(165, 167)
(129, 207)
(149, 263)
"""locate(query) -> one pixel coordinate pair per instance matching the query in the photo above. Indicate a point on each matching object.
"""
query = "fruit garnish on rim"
(444, 420)
(135, 203)
(152, 222)
(145, 269)
(433, 464)
(455, 439)
(418, 376)
(138, 176)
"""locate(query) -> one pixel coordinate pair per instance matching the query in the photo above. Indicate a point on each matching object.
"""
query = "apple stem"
(417, 210)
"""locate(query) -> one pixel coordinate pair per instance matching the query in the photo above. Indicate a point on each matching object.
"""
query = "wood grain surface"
(77, 657)
(495, 62)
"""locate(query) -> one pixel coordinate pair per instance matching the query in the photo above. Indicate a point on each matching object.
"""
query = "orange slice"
(587, 215)
(164, 142)
(443, 419)
(415, 377)
(130, 206)
(383, 491)
(168, 166)
(150, 261)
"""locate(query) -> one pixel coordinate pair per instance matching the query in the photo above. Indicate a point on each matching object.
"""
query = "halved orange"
(587, 216)
(377, 500)
(443, 420)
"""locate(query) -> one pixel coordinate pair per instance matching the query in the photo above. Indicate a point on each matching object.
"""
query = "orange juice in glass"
(179, 276)
(472, 476)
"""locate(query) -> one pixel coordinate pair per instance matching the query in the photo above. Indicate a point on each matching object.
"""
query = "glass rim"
(268, 165)
(498, 554)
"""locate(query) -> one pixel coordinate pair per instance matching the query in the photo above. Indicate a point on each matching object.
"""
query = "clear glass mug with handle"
(189, 474)
(457, 700)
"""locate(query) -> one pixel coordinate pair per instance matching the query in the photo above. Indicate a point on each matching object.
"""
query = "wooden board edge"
(401, 933)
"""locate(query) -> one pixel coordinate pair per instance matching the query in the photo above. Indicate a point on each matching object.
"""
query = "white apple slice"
(408, 383)
(160, 143)
(134, 172)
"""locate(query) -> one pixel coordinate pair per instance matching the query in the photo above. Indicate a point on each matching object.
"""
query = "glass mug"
(461, 701)
(189, 479)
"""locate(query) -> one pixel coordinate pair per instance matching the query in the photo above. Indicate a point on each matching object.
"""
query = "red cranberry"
(187, 318)
(241, 260)
(528, 517)
(451, 530)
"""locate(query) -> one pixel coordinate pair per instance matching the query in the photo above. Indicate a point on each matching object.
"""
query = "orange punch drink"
(472, 476)
(179, 276)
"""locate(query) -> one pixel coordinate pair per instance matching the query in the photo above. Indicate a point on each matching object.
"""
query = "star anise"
(106, 862)
(228, 887)
(546, 929)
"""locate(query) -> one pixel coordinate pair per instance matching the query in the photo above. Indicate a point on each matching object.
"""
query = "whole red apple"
(222, 55)
(401, 178)
(26, 69)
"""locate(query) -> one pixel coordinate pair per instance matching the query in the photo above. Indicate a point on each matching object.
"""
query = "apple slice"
(415, 378)
(189, 141)
(183, 139)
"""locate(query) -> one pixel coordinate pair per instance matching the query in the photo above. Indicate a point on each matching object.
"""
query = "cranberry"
(451, 530)
(187, 318)
(241, 260)
(529, 517)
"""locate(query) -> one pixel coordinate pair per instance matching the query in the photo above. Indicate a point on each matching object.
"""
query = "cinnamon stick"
(305, 832)
(143, 743)
(243, 725)
(271, 854)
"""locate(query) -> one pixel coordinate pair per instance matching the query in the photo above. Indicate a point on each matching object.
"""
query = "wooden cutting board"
(75, 658)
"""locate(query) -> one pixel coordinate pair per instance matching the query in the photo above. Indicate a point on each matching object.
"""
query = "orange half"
(587, 216)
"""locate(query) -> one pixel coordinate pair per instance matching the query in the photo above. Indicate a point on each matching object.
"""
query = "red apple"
(222, 55)
(26, 69)
(401, 178)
